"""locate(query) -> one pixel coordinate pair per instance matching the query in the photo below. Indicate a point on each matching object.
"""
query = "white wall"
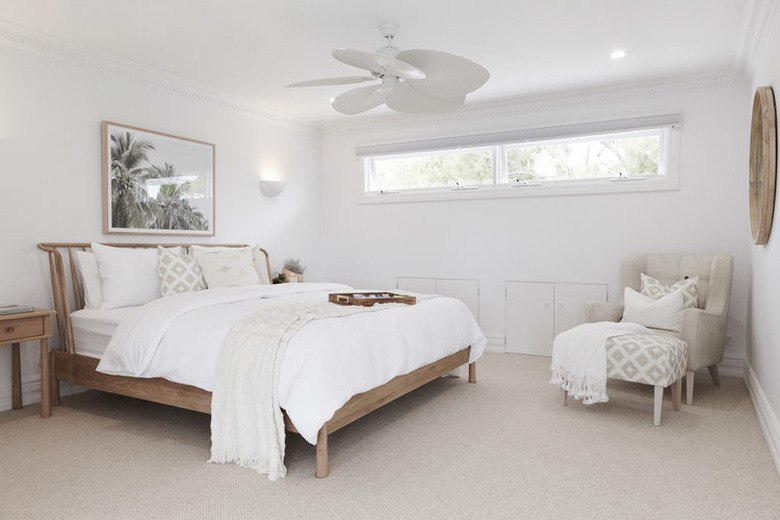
(567, 238)
(764, 327)
(50, 171)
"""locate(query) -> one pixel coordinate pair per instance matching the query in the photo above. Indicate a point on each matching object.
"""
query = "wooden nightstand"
(28, 326)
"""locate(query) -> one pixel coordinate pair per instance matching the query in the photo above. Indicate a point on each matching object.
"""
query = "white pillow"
(129, 275)
(227, 267)
(663, 313)
(90, 279)
(178, 273)
(259, 259)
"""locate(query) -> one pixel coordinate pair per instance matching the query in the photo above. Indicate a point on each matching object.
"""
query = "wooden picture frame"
(156, 183)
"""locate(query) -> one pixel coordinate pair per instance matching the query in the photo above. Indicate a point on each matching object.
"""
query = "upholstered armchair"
(703, 328)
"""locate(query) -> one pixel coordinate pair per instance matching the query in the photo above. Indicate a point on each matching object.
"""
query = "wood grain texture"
(763, 164)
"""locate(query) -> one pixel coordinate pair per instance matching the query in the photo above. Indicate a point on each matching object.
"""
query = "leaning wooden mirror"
(763, 164)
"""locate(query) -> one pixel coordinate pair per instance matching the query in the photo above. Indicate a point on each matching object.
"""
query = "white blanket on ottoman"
(579, 359)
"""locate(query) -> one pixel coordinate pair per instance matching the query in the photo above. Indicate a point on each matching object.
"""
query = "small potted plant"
(293, 270)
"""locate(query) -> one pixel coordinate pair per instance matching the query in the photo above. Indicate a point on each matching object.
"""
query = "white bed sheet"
(326, 362)
(93, 328)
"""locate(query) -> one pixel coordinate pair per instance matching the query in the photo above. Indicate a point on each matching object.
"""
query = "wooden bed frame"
(67, 365)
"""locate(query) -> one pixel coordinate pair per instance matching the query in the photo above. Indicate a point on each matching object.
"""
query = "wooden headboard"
(66, 289)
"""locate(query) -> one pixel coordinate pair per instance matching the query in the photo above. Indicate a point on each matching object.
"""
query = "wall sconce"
(272, 188)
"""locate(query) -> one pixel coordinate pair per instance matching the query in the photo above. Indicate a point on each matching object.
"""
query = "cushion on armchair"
(663, 313)
(655, 289)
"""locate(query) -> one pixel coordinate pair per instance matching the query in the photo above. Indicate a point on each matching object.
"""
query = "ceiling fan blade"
(445, 74)
(379, 63)
(345, 80)
(360, 99)
(405, 98)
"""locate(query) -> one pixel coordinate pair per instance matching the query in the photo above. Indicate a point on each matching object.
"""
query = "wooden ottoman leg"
(565, 396)
(658, 404)
(677, 394)
(473, 372)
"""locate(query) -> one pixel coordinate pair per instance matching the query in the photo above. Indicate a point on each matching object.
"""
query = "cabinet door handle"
(10, 329)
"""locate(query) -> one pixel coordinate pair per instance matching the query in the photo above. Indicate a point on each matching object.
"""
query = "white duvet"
(326, 362)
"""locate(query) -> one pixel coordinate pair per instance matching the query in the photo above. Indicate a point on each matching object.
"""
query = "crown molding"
(25, 39)
(755, 26)
(550, 102)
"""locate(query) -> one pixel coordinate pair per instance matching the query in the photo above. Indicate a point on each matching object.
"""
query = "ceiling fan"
(412, 82)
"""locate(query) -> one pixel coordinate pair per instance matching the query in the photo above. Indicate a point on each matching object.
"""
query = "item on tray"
(367, 299)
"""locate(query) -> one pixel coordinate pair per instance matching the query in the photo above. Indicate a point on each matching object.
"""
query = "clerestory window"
(628, 155)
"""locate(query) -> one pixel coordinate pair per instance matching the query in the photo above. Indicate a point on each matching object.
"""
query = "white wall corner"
(495, 343)
(755, 25)
(767, 419)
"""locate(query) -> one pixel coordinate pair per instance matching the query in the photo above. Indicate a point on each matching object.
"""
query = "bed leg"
(321, 470)
(473, 372)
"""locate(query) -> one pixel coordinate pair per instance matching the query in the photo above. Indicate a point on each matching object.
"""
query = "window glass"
(581, 158)
(431, 170)
(592, 157)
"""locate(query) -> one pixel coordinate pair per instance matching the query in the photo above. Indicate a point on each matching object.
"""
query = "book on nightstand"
(15, 309)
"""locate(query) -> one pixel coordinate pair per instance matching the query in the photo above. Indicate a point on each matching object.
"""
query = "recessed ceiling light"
(616, 55)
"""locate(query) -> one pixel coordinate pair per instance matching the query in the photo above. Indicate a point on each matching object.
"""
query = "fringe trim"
(262, 466)
(590, 391)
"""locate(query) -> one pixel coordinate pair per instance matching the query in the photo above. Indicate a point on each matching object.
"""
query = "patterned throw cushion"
(646, 358)
(227, 267)
(655, 289)
(259, 259)
(178, 273)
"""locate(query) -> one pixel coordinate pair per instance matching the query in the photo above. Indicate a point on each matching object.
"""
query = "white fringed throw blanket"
(247, 426)
(579, 359)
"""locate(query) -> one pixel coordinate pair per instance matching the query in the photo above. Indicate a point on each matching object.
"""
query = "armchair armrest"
(603, 311)
(705, 334)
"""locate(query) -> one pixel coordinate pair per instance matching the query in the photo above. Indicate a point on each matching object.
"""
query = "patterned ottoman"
(653, 360)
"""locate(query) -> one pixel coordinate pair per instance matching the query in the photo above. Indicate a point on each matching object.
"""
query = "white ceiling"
(247, 50)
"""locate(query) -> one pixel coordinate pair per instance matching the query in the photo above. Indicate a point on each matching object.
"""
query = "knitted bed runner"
(247, 426)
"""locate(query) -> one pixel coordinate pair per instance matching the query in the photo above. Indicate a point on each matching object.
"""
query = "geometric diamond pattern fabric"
(646, 358)
(655, 289)
(178, 274)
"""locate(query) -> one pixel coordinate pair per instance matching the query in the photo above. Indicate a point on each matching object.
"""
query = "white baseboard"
(495, 344)
(31, 393)
(767, 419)
(732, 366)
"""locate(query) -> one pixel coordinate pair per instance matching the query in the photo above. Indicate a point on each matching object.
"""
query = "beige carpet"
(503, 448)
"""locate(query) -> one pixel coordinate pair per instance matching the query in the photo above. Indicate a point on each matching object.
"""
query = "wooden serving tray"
(367, 299)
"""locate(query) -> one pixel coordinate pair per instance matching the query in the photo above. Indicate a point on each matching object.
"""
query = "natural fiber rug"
(503, 448)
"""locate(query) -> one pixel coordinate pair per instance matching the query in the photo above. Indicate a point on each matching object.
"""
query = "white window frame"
(668, 177)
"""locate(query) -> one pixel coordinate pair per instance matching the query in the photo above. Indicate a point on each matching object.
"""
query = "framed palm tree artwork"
(155, 183)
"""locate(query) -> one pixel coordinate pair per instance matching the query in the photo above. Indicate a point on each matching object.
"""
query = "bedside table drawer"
(21, 328)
